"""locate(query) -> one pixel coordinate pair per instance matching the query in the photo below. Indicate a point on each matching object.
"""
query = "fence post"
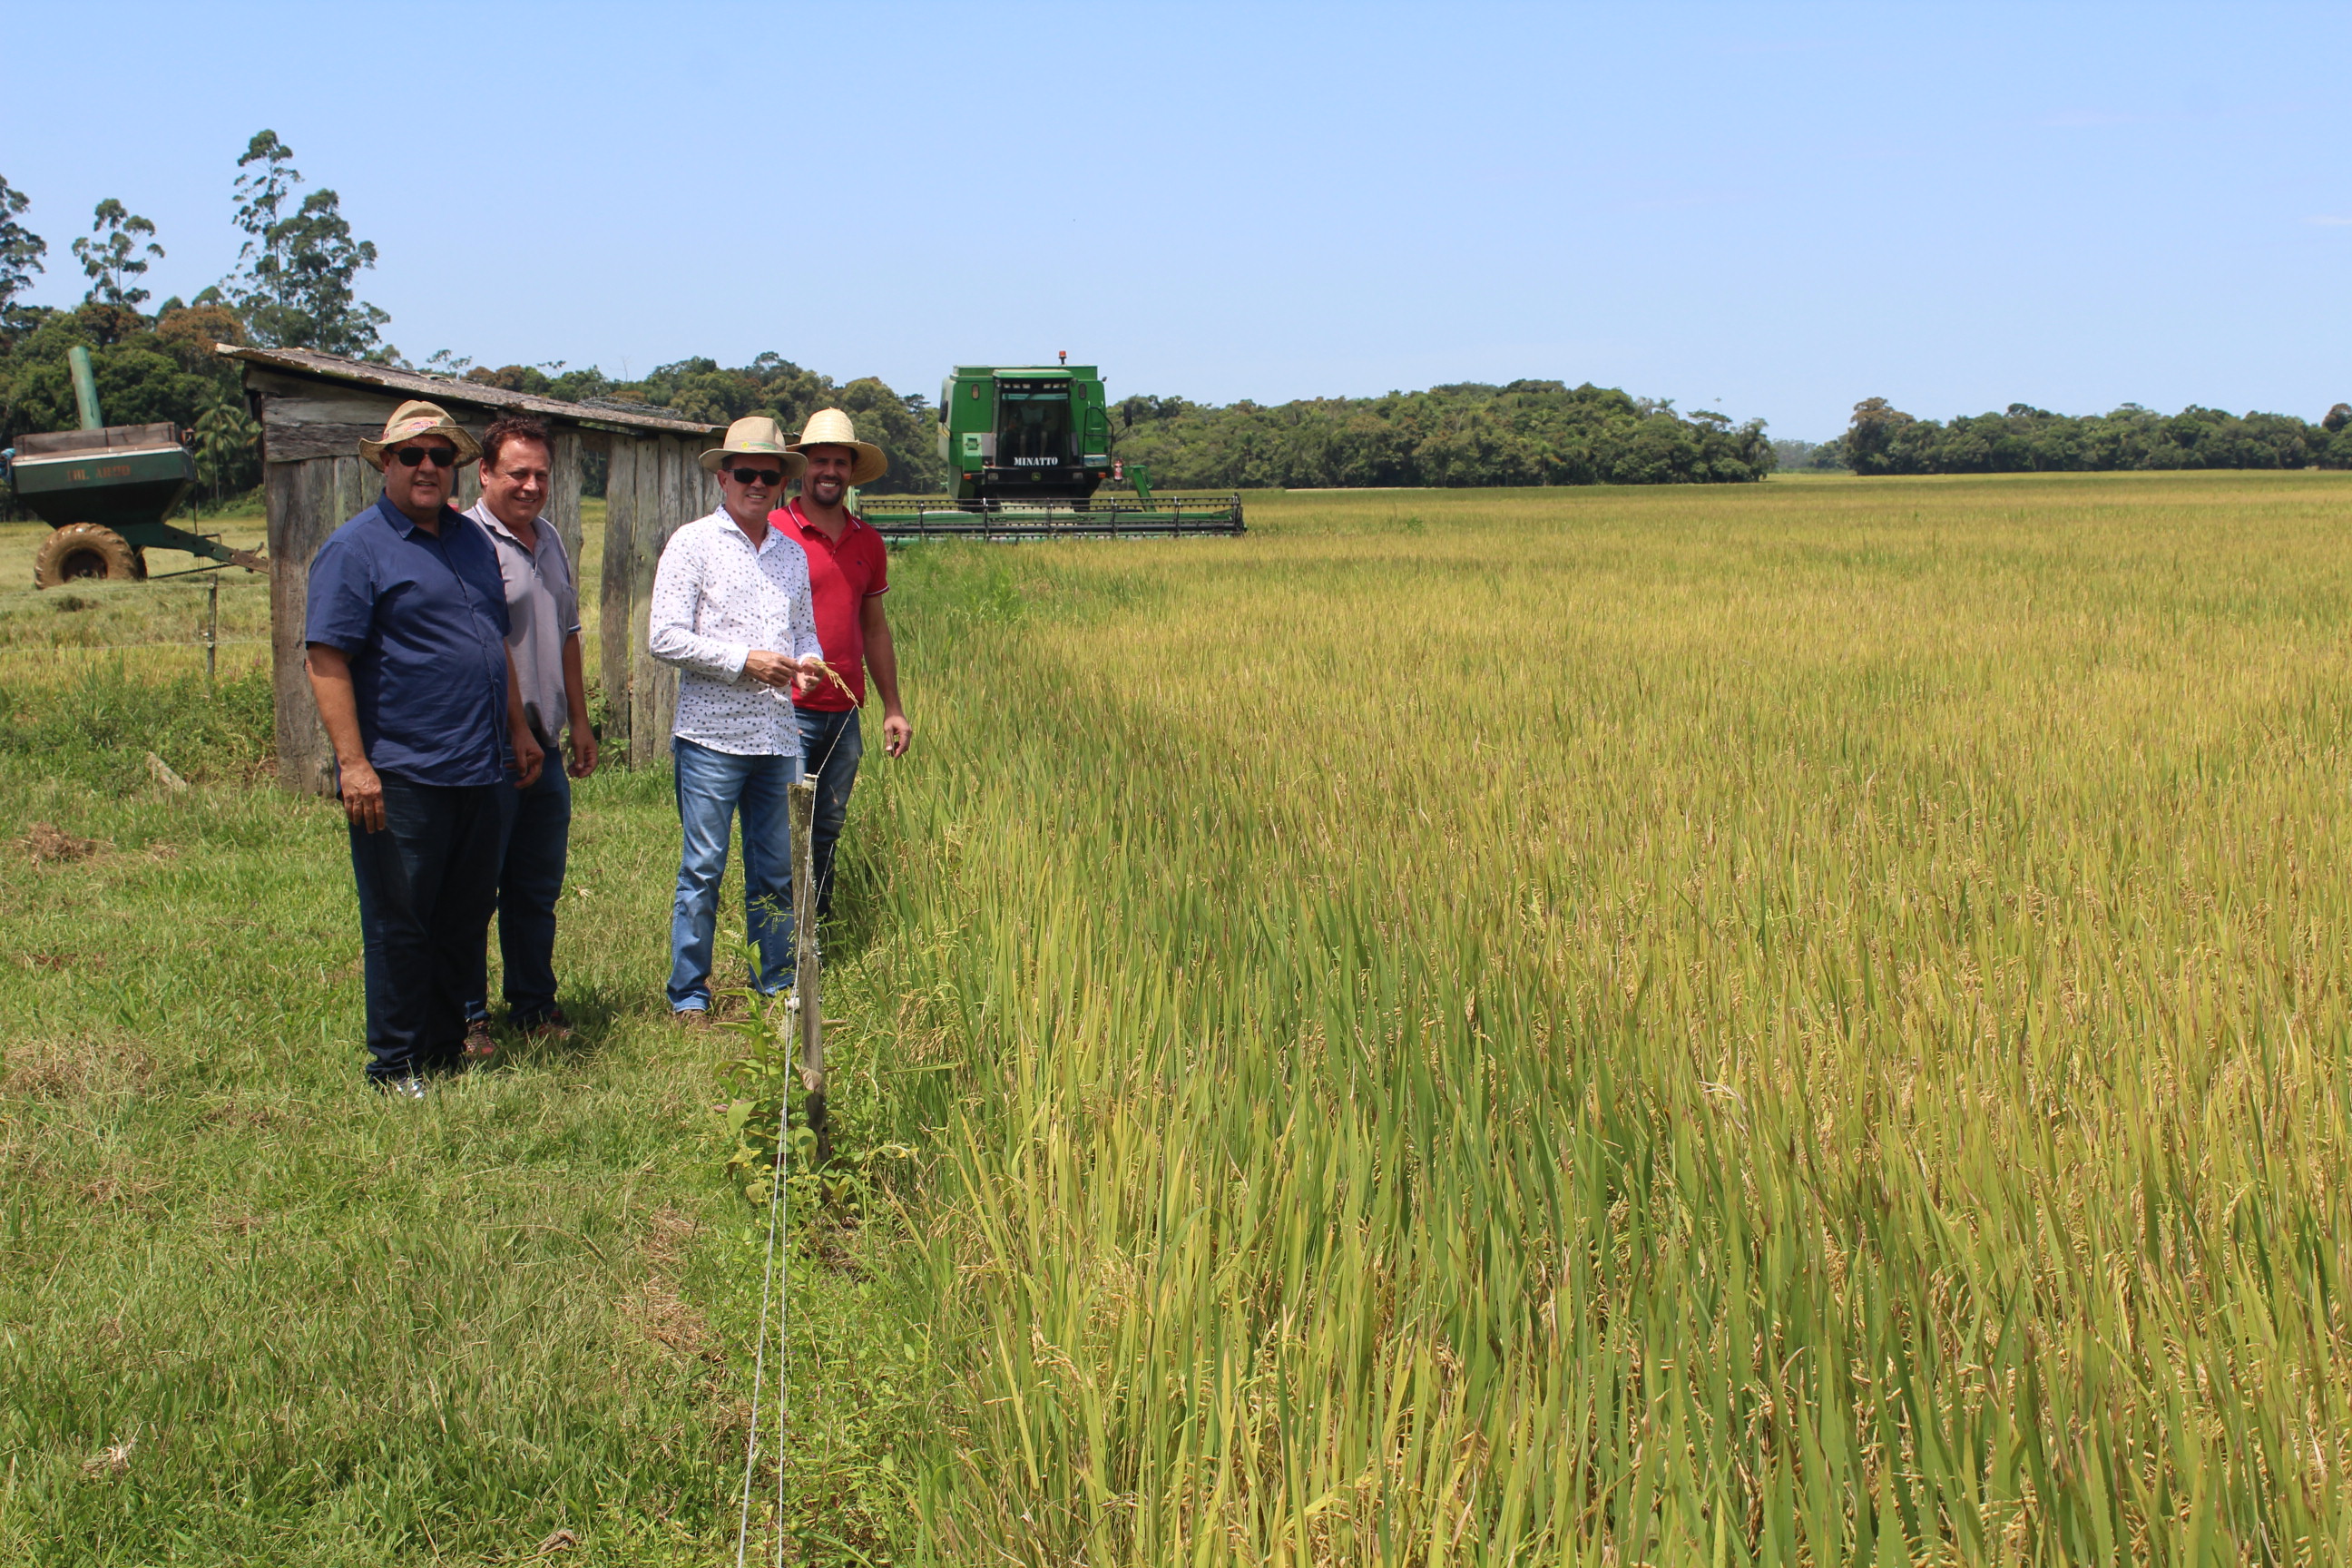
(807, 992)
(212, 626)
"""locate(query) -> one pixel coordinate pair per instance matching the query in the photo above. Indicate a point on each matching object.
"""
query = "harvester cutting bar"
(1161, 517)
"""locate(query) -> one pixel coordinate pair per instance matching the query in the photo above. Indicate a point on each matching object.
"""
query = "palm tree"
(225, 439)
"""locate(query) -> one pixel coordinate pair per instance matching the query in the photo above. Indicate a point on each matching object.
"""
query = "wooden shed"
(313, 409)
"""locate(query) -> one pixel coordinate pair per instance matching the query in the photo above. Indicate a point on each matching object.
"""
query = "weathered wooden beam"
(564, 491)
(615, 631)
(305, 400)
(292, 443)
(648, 734)
(306, 501)
(676, 501)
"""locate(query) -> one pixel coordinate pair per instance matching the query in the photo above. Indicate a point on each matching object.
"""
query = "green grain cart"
(1028, 451)
(105, 491)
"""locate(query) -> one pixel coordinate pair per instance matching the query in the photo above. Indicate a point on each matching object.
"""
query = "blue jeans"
(426, 882)
(833, 744)
(712, 787)
(538, 822)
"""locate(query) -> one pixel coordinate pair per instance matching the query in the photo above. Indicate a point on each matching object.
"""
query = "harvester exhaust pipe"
(85, 388)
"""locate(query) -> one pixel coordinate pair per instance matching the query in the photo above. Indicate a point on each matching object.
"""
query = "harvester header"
(1028, 449)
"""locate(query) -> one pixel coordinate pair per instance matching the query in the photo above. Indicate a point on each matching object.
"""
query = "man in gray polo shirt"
(543, 636)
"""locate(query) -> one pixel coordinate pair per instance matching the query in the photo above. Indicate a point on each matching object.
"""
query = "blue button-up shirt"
(424, 622)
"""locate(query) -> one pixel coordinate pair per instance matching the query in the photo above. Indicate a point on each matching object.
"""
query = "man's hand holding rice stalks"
(803, 675)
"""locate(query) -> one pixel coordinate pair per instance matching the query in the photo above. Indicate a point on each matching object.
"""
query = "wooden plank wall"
(652, 486)
(308, 500)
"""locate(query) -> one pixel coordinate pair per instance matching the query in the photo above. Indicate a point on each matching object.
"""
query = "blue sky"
(1775, 209)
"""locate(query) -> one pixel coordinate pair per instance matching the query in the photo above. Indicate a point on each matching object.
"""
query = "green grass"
(249, 1312)
(1787, 1024)
(58, 635)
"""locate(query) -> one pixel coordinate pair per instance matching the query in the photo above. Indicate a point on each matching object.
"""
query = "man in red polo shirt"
(849, 571)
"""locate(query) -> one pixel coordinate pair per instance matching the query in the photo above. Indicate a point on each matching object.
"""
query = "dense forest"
(1527, 433)
(1883, 439)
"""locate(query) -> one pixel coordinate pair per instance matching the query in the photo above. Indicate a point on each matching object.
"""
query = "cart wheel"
(86, 551)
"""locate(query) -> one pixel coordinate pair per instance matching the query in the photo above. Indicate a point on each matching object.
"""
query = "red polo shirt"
(843, 575)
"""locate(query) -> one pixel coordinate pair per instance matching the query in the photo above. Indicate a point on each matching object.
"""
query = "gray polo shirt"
(542, 609)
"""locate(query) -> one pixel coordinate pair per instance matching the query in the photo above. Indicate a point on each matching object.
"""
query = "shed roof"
(600, 413)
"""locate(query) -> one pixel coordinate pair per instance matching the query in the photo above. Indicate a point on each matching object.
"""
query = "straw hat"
(414, 418)
(831, 428)
(759, 435)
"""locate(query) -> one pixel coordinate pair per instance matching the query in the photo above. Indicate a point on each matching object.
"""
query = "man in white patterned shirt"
(730, 609)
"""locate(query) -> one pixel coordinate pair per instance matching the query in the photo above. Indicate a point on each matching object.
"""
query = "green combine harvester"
(1028, 450)
(105, 491)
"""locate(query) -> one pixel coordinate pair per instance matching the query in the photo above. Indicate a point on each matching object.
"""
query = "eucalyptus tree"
(296, 280)
(112, 256)
(20, 248)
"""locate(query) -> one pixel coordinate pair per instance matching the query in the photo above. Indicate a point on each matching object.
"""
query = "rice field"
(1789, 1023)
(1792, 1025)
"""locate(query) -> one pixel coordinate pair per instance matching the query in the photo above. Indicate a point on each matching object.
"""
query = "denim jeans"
(538, 826)
(713, 787)
(426, 883)
(833, 744)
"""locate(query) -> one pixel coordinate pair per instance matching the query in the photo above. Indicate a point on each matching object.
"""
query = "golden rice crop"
(1795, 1024)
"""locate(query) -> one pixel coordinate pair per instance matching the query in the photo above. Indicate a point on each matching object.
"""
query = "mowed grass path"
(1791, 1024)
(251, 1313)
(1798, 1023)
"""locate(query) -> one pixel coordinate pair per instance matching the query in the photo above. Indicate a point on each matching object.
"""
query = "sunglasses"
(758, 476)
(439, 457)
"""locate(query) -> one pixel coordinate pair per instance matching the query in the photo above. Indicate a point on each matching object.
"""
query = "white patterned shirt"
(715, 599)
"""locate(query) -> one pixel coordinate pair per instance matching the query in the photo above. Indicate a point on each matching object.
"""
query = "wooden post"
(563, 489)
(670, 508)
(808, 994)
(649, 719)
(615, 632)
(212, 628)
(308, 498)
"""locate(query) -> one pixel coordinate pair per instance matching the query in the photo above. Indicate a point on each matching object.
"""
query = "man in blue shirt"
(406, 627)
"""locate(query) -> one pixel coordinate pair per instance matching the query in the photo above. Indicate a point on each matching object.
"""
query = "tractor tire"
(85, 551)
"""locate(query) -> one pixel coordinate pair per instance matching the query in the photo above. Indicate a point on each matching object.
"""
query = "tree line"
(1466, 433)
(1883, 439)
(296, 285)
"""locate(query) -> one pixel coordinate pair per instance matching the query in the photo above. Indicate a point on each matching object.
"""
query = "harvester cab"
(105, 491)
(1029, 432)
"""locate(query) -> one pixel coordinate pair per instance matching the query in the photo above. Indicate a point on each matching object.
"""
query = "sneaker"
(690, 1017)
(407, 1086)
(479, 1046)
(552, 1024)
